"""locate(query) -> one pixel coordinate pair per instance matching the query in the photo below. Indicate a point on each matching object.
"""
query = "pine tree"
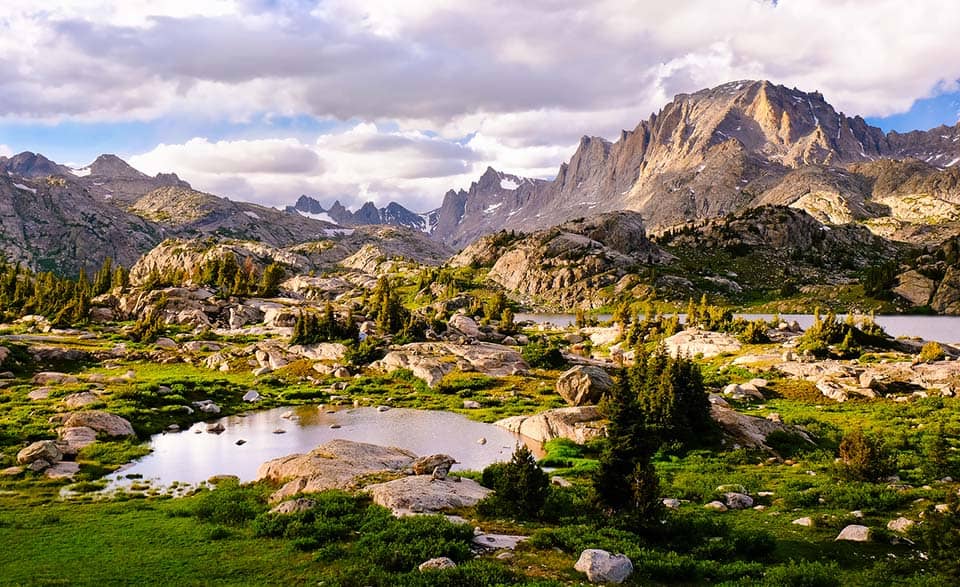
(269, 286)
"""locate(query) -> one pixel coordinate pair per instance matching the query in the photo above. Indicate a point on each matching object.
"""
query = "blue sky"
(380, 100)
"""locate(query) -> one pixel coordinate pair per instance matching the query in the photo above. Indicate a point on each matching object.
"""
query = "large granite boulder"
(337, 464)
(947, 298)
(102, 422)
(423, 494)
(579, 424)
(583, 385)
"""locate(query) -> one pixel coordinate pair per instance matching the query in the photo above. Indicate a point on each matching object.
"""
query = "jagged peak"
(112, 165)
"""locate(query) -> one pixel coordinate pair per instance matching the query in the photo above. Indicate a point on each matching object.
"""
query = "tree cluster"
(311, 327)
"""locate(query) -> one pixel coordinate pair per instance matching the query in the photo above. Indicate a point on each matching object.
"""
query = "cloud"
(523, 80)
(5, 151)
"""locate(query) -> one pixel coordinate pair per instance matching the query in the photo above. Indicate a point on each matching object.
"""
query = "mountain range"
(726, 149)
(704, 155)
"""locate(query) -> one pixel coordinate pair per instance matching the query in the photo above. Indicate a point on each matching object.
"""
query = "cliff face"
(718, 151)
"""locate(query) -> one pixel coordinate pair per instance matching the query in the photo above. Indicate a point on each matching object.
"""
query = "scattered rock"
(102, 422)
(469, 404)
(62, 470)
(215, 428)
(716, 505)
(75, 438)
(45, 450)
(584, 385)
(53, 378)
(900, 525)
(805, 521)
(465, 325)
(738, 501)
(437, 564)
(602, 567)
(427, 465)
(294, 506)
(39, 393)
(81, 400)
(854, 533)
(671, 503)
(251, 396)
(498, 541)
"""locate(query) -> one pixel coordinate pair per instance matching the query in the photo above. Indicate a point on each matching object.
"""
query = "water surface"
(195, 455)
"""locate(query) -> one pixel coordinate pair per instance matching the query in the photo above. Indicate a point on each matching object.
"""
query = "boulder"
(41, 450)
(915, 287)
(602, 567)
(579, 423)
(53, 378)
(62, 470)
(39, 393)
(294, 506)
(75, 438)
(693, 341)
(465, 325)
(437, 564)
(430, 361)
(749, 431)
(80, 400)
(901, 525)
(718, 506)
(426, 465)
(423, 494)
(251, 396)
(854, 533)
(469, 404)
(737, 501)
(166, 343)
(583, 385)
(498, 541)
(102, 422)
(337, 464)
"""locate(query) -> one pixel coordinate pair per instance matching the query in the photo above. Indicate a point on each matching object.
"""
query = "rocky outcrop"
(579, 424)
(337, 464)
(693, 342)
(567, 265)
(915, 287)
(947, 298)
(421, 494)
(430, 361)
(584, 385)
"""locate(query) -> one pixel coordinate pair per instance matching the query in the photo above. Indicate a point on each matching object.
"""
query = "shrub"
(931, 351)
(400, 544)
(230, 503)
(863, 457)
(520, 486)
(363, 353)
(803, 574)
(940, 534)
(541, 354)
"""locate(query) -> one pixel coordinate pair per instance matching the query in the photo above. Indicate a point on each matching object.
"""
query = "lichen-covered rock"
(41, 450)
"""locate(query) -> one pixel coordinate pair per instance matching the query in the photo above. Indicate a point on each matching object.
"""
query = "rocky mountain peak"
(110, 165)
(30, 165)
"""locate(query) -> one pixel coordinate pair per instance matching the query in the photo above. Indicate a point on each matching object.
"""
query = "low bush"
(543, 354)
(229, 503)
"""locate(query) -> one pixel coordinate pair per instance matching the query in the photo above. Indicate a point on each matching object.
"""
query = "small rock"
(854, 533)
(215, 428)
(279, 431)
(469, 404)
(900, 525)
(602, 567)
(481, 440)
(383, 408)
(294, 506)
(716, 506)
(671, 503)
(805, 521)
(251, 396)
(439, 563)
(240, 442)
(738, 501)
(560, 481)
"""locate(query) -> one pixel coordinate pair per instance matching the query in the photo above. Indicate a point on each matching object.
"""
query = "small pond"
(939, 328)
(195, 455)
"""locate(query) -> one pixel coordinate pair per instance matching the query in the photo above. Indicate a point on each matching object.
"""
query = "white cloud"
(524, 79)
(5, 151)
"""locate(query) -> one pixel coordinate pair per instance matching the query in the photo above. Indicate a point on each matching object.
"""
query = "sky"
(357, 100)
